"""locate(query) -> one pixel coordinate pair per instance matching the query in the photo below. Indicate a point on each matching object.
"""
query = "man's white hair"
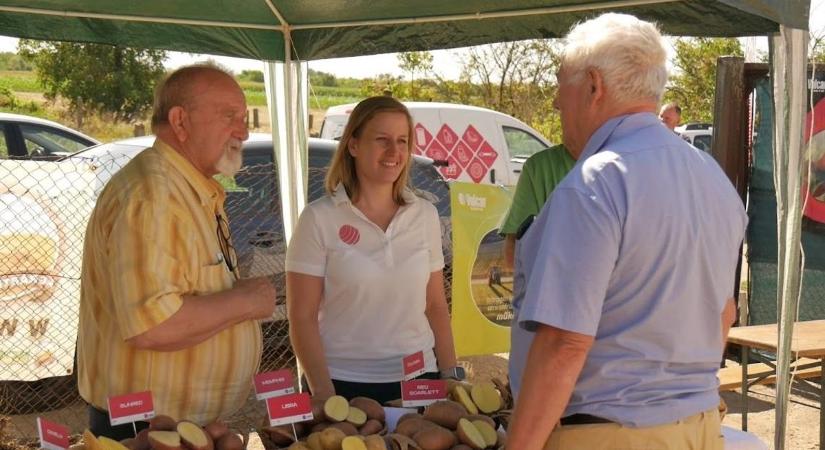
(629, 53)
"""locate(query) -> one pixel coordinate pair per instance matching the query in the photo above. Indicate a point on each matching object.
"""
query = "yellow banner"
(482, 306)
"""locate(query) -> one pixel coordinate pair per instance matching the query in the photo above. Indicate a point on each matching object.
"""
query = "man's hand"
(259, 293)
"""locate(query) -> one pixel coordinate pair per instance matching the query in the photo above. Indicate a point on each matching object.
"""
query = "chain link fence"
(44, 208)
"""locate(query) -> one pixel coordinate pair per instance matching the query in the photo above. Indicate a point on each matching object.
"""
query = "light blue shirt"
(637, 247)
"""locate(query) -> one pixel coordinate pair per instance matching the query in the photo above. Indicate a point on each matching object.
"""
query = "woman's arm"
(438, 315)
(303, 299)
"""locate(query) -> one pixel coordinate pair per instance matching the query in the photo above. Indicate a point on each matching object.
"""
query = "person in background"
(161, 305)
(539, 176)
(630, 267)
(364, 279)
(671, 115)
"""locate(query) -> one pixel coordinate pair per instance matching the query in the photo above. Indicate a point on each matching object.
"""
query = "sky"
(446, 63)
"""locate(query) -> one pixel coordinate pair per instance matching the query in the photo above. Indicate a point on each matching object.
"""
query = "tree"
(412, 62)
(518, 78)
(816, 52)
(251, 75)
(110, 80)
(694, 84)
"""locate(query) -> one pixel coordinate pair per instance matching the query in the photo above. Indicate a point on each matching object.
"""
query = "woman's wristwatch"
(456, 373)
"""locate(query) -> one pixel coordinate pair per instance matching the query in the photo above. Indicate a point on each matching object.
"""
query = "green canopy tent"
(288, 31)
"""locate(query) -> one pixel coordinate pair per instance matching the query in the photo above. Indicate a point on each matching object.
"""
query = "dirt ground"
(802, 427)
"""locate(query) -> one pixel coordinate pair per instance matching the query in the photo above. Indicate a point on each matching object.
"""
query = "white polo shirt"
(375, 283)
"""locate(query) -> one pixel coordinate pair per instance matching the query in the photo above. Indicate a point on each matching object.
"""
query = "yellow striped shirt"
(152, 239)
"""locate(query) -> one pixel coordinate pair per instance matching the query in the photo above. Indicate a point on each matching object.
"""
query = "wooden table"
(808, 341)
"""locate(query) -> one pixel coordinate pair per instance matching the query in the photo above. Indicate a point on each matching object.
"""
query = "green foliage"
(10, 103)
(694, 84)
(415, 62)
(13, 61)
(318, 78)
(816, 52)
(251, 75)
(115, 81)
(20, 81)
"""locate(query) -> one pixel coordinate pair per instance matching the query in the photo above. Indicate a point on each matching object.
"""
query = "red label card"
(289, 409)
(53, 436)
(422, 392)
(273, 384)
(413, 365)
(131, 408)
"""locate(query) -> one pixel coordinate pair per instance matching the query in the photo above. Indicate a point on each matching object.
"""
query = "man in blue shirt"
(629, 268)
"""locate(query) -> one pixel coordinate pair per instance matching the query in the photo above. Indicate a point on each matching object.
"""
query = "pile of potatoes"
(468, 420)
(166, 433)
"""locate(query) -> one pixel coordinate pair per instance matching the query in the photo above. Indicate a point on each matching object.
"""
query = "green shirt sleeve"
(539, 176)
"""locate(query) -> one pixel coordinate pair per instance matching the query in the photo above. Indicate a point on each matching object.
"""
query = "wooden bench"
(730, 378)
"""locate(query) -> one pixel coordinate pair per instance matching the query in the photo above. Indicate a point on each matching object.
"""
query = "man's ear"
(351, 147)
(177, 121)
(596, 82)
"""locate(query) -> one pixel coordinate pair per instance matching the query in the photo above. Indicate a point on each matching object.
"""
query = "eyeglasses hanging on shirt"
(230, 256)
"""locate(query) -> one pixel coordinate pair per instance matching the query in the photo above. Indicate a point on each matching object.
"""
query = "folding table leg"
(744, 361)
(821, 403)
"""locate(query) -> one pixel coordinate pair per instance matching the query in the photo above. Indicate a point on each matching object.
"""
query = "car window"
(521, 143)
(43, 141)
(4, 148)
(702, 142)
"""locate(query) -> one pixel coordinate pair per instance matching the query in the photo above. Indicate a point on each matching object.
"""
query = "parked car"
(699, 135)
(25, 137)
(471, 144)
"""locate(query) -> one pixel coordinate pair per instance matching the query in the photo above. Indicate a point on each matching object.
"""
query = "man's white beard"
(231, 161)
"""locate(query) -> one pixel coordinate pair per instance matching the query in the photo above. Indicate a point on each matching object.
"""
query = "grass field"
(19, 81)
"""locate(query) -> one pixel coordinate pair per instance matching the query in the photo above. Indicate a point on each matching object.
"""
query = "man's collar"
(207, 188)
(615, 127)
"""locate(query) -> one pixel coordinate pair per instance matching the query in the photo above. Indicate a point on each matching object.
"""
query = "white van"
(468, 143)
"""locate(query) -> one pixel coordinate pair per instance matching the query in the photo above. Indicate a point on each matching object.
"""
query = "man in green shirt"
(539, 176)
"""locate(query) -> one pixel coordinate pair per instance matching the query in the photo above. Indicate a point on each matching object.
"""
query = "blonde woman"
(364, 267)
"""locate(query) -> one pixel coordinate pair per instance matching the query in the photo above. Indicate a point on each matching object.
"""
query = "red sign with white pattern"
(436, 151)
(53, 436)
(462, 153)
(476, 170)
(290, 408)
(422, 392)
(487, 155)
(273, 384)
(447, 137)
(422, 137)
(452, 170)
(131, 408)
(413, 365)
(472, 137)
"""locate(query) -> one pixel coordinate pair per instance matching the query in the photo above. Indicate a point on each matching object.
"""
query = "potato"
(318, 427)
(331, 438)
(445, 413)
(375, 442)
(461, 447)
(412, 426)
(336, 408)
(353, 443)
(487, 431)
(111, 444)
(408, 416)
(216, 429)
(82, 446)
(356, 416)
(229, 441)
(435, 438)
(317, 410)
(129, 443)
(460, 395)
(162, 423)
(164, 440)
(488, 419)
(486, 397)
(142, 440)
(371, 426)
(314, 441)
(193, 436)
(348, 428)
(371, 408)
(281, 435)
(401, 442)
(469, 434)
(298, 446)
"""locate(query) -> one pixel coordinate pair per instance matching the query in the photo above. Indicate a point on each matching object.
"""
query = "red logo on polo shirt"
(349, 234)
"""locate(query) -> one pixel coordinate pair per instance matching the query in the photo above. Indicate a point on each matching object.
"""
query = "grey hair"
(629, 53)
